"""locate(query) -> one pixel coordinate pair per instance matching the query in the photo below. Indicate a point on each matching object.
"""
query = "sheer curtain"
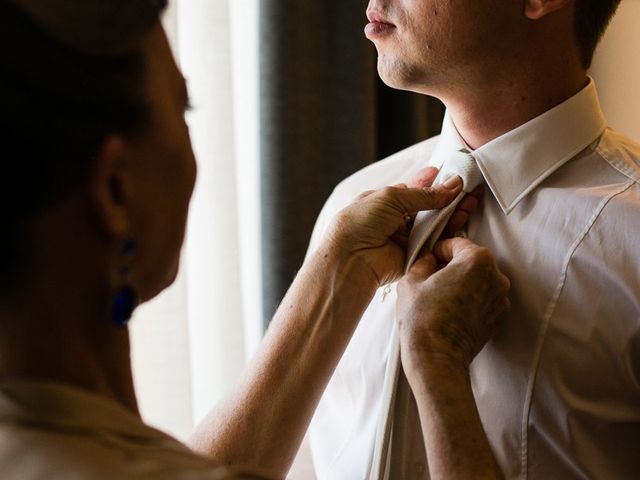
(191, 343)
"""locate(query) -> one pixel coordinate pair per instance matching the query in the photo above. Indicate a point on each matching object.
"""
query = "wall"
(616, 69)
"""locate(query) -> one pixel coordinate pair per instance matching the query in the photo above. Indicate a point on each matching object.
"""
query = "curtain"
(190, 344)
(324, 114)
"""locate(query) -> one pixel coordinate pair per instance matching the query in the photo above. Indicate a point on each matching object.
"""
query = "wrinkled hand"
(448, 315)
(374, 230)
(464, 210)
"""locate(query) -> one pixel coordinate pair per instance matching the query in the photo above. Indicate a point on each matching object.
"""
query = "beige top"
(54, 432)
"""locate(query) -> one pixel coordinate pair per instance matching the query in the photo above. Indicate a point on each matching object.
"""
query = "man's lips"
(378, 25)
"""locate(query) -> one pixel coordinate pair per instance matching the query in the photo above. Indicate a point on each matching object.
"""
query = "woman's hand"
(375, 228)
(444, 318)
(447, 316)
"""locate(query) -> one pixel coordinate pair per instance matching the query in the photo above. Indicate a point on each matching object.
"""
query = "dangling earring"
(125, 299)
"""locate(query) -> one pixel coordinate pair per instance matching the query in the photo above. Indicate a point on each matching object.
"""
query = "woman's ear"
(537, 9)
(110, 187)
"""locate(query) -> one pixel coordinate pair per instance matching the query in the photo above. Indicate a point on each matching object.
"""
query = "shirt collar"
(518, 161)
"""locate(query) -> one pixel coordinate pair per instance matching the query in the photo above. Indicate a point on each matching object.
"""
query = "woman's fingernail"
(453, 183)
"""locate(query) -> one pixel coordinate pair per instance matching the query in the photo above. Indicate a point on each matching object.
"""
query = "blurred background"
(287, 103)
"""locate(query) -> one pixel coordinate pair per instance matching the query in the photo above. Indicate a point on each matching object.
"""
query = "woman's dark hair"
(63, 89)
(591, 20)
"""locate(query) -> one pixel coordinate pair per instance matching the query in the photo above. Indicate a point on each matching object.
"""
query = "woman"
(98, 175)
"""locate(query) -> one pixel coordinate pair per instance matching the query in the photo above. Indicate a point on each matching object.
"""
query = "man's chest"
(535, 371)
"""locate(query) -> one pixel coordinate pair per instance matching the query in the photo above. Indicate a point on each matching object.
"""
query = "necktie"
(428, 228)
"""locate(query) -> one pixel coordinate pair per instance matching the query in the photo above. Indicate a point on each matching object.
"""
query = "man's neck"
(485, 113)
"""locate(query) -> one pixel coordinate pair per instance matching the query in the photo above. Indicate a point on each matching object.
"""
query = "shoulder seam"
(550, 310)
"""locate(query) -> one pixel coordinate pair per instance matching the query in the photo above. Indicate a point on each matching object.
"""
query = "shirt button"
(420, 468)
(385, 292)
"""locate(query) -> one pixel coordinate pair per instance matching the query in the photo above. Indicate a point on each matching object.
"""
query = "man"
(558, 388)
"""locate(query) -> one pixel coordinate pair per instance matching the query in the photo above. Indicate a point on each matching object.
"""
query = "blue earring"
(125, 299)
(124, 303)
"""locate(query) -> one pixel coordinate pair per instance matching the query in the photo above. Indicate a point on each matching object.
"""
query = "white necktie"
(428, 228)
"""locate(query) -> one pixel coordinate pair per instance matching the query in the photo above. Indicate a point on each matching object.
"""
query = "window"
(190, 344)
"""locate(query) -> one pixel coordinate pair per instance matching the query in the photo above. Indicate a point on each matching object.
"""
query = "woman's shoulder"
(50, 431)
(31, 452)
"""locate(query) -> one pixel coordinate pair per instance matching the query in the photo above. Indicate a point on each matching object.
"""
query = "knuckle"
(388, 196)
(429, 195)
(485, 254)
(364, 195)
(464, 245)
(343, 217)
(388, 192)
(481, 257)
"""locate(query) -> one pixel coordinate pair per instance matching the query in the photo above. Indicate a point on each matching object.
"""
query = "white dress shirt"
(558, 387)
(51, 431)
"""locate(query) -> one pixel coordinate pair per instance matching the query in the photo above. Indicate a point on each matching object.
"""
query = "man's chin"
(395, 75)
(401, 76)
